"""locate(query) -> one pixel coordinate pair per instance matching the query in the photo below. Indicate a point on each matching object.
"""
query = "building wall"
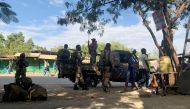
(35, 65)
(4, 65)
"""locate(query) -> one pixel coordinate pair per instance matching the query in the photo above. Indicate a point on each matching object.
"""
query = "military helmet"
(134, 51)
(143, 50)
(93, 39)
(65, 46)
(78, 47)
(22, 55)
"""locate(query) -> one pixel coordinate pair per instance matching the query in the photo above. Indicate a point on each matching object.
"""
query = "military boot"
(106, 89)
(75, 87)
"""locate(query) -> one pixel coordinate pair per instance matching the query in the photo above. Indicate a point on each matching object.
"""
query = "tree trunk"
(168, 38)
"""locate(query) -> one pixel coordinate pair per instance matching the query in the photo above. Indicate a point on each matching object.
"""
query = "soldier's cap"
(93, 39)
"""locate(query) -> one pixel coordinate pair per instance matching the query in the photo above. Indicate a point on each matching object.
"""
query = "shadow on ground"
(64, 97)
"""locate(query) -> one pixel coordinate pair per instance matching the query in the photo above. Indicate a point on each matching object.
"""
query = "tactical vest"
(64, 56)
(76, 58)
(21, 63)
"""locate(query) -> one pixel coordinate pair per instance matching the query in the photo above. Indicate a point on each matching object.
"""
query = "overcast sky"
(37, 19)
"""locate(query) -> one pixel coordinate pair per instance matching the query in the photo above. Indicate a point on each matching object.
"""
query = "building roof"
(49, 57)
(5, 56)
(33, 55)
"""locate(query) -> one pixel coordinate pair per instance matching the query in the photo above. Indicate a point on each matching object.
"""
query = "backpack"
(14, 93)
(21, 63)
(74, 58)
(64, 55)
(37, 92)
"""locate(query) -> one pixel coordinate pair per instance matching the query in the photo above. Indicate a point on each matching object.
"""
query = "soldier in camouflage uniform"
(21, 65)
(77, 61)
(62, 62)
(105, 56)
(92, 51)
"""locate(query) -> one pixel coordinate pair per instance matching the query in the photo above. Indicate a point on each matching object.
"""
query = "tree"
(15, 43)
(39, 48)
(56, 49)
(30, 44)
(2, 44)
(114, 46)
(6, 14)
(91, 14)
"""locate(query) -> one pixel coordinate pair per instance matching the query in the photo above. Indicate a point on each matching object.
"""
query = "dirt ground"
(61, 96)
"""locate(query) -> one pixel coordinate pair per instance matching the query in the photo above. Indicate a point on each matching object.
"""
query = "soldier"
(62, 62)
(77, 61)
(21, 65)
(105, 56)
(92, 51)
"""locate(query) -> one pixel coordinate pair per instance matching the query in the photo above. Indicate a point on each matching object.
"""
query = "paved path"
(37, 80)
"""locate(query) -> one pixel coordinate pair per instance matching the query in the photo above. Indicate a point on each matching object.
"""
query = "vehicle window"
(124, 57)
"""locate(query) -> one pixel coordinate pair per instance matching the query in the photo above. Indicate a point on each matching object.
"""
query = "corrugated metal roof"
(50, 57)
(7, 56)
(34, 55)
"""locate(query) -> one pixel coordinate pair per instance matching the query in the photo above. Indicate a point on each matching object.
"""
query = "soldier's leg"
(77, 78)
(103, 78)
(93, 59)
(106, 78)
(23, 72)
(59, 70)
(17, 76)
(84, 85)
(76, 83)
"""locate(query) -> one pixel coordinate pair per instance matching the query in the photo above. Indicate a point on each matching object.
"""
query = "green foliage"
(94, 14)
(6, 14)
(56, 49)
(114, 46)
(15, 43)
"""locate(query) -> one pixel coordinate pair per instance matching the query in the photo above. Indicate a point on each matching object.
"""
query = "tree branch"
(180, 10)
(145, 22)
(105, 3)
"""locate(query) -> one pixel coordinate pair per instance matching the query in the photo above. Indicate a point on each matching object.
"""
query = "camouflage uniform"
(21, 65)
(92, 51)
(105, 56)
(62, 62)
(77, 61)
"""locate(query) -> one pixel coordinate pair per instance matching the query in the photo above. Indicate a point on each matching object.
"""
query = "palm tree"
(6, 14)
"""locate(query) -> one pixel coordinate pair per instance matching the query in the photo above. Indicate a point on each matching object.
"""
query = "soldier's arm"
(79, 56)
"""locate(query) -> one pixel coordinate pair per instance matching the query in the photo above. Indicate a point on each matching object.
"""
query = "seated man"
(21, 65)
